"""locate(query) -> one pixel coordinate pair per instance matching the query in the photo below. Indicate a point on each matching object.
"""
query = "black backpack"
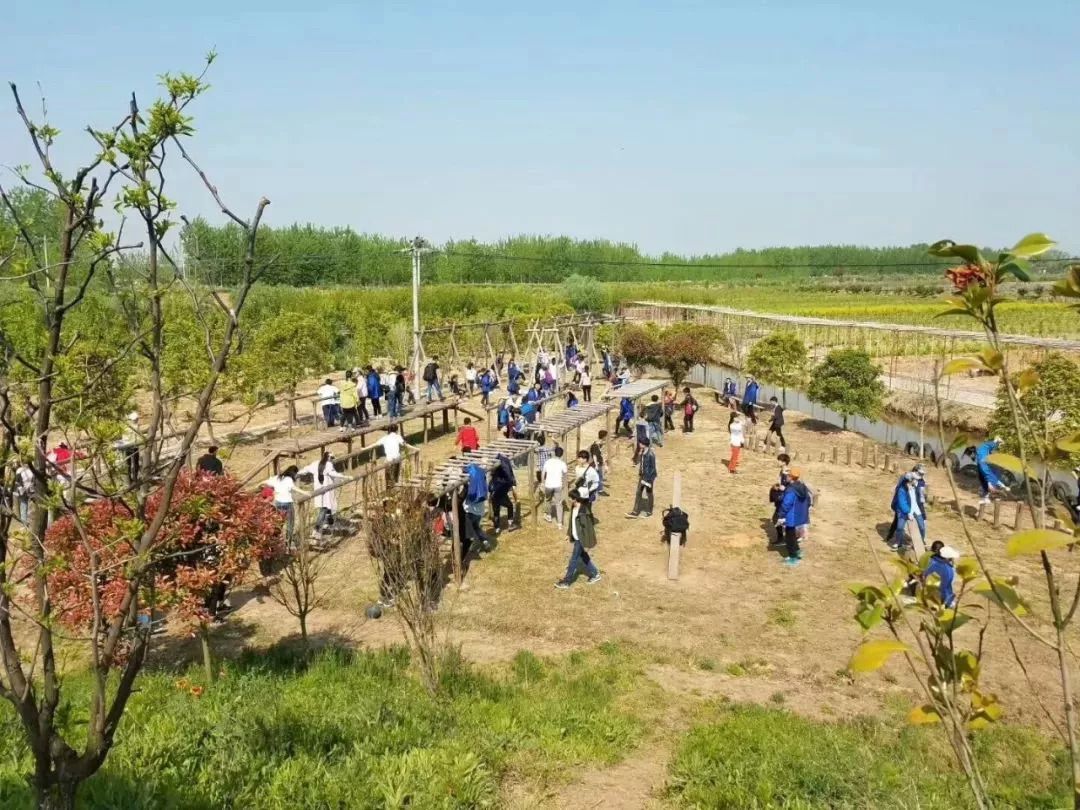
(429, 372)
(675, 521)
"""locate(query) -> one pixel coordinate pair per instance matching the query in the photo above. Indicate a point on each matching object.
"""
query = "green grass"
(350, 731)
(753, 758)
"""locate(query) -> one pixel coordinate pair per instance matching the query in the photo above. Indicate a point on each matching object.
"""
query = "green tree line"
(308, 255)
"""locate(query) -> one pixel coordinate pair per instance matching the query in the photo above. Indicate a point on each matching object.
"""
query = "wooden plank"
(456, 546)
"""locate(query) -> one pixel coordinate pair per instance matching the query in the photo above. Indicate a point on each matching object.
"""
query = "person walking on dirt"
(488, 382)
(905, 505)
(919, 471)
(582, 534)
(669, 410)
(654, 418)
(750, 398)
(794, 513)
(431, 377)
(554, 474)
(470, 377)
(738, 438)
(596, 451)
(689, 408)
(643, 499)
(988, 479)
(777, 424)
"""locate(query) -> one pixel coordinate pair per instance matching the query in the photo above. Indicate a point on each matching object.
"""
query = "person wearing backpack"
(431, 377)
(689, 407)
(502, 484)
(643, 500)
(794, 513)
(582, 534)
(476, 496)
(396, 394)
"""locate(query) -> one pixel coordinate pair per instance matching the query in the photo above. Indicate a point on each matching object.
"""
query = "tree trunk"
(57, 796)
(303, 628)
(207, 654)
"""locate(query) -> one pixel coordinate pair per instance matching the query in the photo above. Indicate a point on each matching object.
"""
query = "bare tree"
(405, 551)
(128, 169)
(299, 588)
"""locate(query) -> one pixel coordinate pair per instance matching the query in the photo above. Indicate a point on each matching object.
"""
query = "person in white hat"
(942, 563)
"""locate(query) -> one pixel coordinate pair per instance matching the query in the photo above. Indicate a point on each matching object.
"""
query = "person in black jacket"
(777, 424)
(209, 462)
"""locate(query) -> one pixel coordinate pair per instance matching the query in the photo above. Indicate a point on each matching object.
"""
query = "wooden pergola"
(449, 476)
(572, 419)
(636, 390)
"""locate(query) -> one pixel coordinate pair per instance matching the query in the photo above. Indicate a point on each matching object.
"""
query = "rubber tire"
(1059, 492)
(911, 449)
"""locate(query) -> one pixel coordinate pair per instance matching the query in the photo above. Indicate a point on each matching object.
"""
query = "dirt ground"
(736, 624)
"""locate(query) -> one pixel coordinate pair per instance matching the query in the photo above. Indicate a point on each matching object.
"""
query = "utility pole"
(418, 246)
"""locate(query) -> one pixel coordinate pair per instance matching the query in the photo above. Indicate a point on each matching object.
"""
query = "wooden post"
(849, 455)
(887, 462)
(1018, 521)
(997, 514)
(445, 419)
(835, 454)
(578, 441)
(456, 550)
(873, 463)
(675, 542)
(980, 510)
(533, 489)
(865, 453)
(822, 456)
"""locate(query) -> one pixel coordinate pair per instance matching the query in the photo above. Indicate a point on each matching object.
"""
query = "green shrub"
(750, 758)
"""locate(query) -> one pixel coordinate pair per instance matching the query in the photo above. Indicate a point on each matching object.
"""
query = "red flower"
(965, 275)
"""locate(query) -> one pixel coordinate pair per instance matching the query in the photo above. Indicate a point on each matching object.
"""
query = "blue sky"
(690, 127)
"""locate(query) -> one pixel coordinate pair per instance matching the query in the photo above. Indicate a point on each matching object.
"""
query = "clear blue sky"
(687, 126)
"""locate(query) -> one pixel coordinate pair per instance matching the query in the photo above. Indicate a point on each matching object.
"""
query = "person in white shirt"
(361, 397)
(586, 475)
(285, 487)
(328, 396)
(391, 445)
(470, 378)
(738, 438)
(325, 474)
(25, 487)
(553, 475)
(586, 384)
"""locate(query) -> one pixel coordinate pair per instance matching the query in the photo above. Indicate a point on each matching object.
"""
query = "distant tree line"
(307, 255)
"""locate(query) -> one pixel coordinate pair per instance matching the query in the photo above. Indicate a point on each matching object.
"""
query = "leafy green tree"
(848, 382)
(282, 353)
(685, 345)
(1051, 400)
(779, 359)
(584, 294)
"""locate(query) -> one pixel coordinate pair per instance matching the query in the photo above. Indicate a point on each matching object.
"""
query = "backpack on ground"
(675, 521)
(429, 373)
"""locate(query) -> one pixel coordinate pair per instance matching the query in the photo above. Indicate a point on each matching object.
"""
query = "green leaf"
(873, 654)
(1033, 244)
(949, 248)
(1003, 595)
(959, 443)
(967, 569)
(870, 617)
(959, 365)
(1028, 378)
(952, 311)
(1034, 541)
(992, 358)
(923, 716)
(949, 620)
(1069, 444)
(1017, 267)
(1009, 462)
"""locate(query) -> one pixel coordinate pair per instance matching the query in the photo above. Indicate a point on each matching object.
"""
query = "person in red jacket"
(467, 438)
